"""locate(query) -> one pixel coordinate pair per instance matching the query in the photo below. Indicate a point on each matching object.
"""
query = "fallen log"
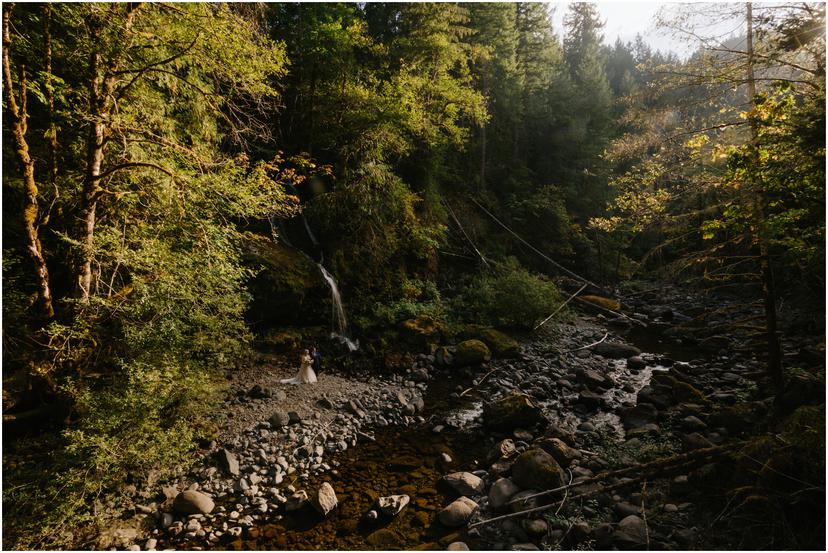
(569, 299)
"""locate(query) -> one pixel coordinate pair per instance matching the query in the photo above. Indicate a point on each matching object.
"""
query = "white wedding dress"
(306, 374)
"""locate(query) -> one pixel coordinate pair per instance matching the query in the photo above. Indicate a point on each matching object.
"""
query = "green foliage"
(510, 296)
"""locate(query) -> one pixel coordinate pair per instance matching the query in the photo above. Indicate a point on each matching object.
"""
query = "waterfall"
(339, 322)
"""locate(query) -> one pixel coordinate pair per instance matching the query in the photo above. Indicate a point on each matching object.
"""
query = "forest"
(568, 293)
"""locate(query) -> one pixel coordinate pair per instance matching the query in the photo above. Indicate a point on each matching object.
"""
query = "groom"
(316, 355)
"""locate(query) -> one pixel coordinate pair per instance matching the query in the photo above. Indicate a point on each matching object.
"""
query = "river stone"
(640, 415)
(562, 453)
(615, 350)
(590, 399)
(294, 418)
(503, 448)
(501, 492)
(535, 527)
(535, 468)
(457, 546)
(636, 363)
(228, 462)
(471, 352)
(465, 483)
(458, 512)
(191, 502)
(324, 501)
(443, 357)
(515, 410)
(631, 531)
(391, 505)
(278, 419)
(593, 379)
(692, 423)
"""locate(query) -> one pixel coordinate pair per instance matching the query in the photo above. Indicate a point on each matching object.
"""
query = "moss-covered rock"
(471, 352)
(537, 469)
(287, 285)
(515, 410)
(420, 332)
(499, 343)
(279, 340)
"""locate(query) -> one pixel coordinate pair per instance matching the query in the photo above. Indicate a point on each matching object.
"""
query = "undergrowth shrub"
(509, 296)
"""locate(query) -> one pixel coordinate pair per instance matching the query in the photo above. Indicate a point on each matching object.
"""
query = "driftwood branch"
(610, 311)
(589, 345)
(479, 382)
(569, 299)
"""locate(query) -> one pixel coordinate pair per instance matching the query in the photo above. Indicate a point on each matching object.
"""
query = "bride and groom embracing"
(311, 362)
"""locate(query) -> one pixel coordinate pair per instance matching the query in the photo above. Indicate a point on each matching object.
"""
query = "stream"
(411, 460)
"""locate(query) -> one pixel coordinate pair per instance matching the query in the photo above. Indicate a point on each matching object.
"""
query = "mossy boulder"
(420, 332)
(287, 285)
(502, 345)
(600, 301)
(471, 352)
(280, 340)
(515, 410)
(537, 469)
(676, 390)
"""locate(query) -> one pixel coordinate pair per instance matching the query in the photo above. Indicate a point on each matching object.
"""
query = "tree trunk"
(765, 268)
(30, 204)
(50, 95)
(483, 139)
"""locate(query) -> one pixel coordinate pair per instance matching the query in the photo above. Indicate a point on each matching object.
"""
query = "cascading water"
(339, 324)
(339, 321)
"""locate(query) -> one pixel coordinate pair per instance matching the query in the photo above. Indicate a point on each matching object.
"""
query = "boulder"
(536, 468)
(471, 352)
(499, 343)
(227, 462)
(324, 500)
(465, 483)
(420, 332)
(591, 399)
(535, 527)
(616, 350)
(391, 505)
(191, 502)
(515, 410)
(501, 492)
(458, 512)
(562, 453)
(631, 532)
(525, 500)
(593, 379)
(398, 361)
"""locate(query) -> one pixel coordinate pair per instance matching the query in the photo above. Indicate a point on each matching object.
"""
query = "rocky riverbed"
(455, 438)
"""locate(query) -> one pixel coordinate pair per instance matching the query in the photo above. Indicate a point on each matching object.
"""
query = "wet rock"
(593, 379)
(471, 352)
(515, 410)
(465, 483)
(616, 350)
(458, 512)
(649, 429)
(636, 363)
(591, 399)
(501, 492)
(391, 505)
(324, 500)
(227, 462)
(191, 502)
(536, 468)
(694, 440)
(562, 453)
(639, 415)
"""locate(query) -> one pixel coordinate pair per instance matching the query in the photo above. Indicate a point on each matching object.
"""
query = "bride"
(306, 374)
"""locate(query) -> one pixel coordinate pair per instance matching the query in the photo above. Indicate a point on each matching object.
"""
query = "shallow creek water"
(408, 461)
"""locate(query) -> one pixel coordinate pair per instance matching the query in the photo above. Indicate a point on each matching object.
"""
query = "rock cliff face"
(287, 288)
